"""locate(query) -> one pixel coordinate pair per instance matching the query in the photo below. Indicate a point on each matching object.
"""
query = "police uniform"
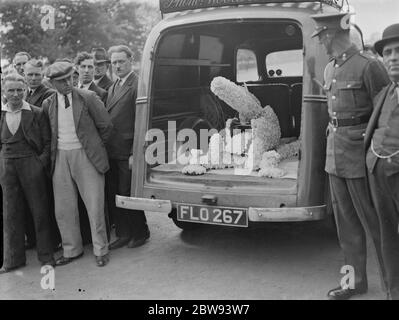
(351, 81)
(382, 145)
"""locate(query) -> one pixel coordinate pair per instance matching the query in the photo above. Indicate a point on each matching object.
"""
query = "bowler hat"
(390, 34)
(100, 55)
(60, 70)
(331, 21)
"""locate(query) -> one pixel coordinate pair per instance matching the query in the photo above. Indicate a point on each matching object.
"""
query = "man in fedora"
(352, 79)
(80, 127)
(101, 65)
(382, 145)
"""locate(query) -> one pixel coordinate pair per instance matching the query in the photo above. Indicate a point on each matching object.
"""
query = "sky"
(372, 16)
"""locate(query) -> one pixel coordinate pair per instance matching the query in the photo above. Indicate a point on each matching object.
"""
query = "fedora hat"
(100, 55)
(390, 34)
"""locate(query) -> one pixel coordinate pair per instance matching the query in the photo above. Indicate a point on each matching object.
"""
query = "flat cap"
(60, 70)
(331, 21)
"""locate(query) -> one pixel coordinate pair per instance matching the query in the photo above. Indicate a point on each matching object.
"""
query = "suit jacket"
(121, 106)
(41, 93)
(102, 94)
(92, 123)
(36, 129)
(105, 83)
(373, 122)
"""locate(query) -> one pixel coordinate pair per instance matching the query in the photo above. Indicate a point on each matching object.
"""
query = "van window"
(247, 66)
(287, 63)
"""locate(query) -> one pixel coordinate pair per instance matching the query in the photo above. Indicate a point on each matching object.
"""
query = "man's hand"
(130, 162)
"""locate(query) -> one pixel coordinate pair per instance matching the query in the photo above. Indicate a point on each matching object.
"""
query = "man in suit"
(130, 226)
(85, 65)
(37, 93)
(101, 65)
(19, 61)
(25, 153)
(80, 127)
(382, 145)
(352, 79)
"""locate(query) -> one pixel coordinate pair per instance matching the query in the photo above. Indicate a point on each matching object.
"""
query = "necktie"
(117, 85)
(29, 94)
(67, 104)
(397, 91)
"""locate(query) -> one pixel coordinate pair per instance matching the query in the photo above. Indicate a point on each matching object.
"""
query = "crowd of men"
(66, 149)
(70, 136)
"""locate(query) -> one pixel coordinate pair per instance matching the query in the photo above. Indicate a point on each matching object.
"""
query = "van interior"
(265, 56)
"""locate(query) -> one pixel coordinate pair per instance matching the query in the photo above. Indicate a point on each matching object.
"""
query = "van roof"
(168, 6)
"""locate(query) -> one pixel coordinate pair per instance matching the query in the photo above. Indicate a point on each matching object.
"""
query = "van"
(264, 45)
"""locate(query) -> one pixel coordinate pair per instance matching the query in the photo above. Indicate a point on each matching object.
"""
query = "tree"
(79, 26)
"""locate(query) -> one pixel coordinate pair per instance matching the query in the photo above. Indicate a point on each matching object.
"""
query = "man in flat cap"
(352, 79)
(80, 127)
(382, 145)
(101, 65)
(25, 153)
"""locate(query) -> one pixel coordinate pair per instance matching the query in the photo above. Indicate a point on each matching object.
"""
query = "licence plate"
(234, 217)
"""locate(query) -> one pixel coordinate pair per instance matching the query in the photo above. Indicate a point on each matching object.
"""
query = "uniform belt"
(335, 122)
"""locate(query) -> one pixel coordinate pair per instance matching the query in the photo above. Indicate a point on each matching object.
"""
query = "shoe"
(6, 270)
(134, 243)
(102, 261)
(344, 294)
(51, 262)
(63, 260)
(119, 243)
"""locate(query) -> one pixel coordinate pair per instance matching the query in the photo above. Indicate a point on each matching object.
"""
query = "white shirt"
(67, 137)
(123, 80)
(13, 118)
(84, 85)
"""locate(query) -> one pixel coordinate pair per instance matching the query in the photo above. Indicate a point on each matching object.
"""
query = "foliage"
(79, 25)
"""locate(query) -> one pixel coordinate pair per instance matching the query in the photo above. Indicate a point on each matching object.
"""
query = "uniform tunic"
(351, 82)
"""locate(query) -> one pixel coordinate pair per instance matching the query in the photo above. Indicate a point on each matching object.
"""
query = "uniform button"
(333, 97)
(325, 86)
(361, 51)
(348, 86)
(335, 129)
(336, 66)
(334, 80)
(389, 160)
(334, 113)
(363, 134)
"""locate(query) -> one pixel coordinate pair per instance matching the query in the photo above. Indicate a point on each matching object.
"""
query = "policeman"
(382, 143)
(352, 79)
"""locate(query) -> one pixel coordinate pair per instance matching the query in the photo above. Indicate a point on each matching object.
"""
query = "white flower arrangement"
(253, 149)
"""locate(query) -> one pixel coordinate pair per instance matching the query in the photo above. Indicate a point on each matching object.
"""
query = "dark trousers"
(385, 194)
(128, 223)
(24, 178)
(354, 216)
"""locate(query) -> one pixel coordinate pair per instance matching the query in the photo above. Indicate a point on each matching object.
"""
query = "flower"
(194, 170)
(289, 150)
(271, 173)
(237, 97)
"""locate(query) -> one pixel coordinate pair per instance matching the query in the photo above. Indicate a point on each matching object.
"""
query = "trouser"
(30, 226)
(75, 173)
(354, 216)
(128, 223)
(24, 179)
(385, 194)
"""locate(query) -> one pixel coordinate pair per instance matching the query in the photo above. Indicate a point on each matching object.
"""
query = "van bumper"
(254, 214)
